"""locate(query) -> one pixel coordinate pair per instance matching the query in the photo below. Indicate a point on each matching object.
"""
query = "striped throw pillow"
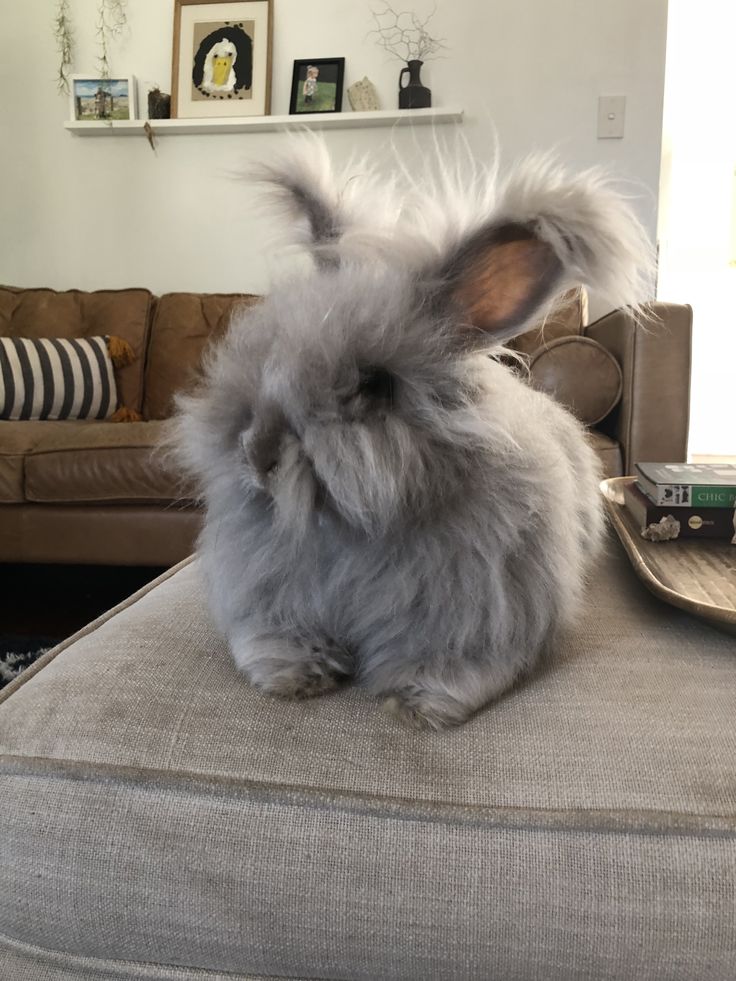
(53, 378)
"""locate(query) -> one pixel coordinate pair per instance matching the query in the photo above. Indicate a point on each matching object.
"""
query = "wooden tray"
(698, 575)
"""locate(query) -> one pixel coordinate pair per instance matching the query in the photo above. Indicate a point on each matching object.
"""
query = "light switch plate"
(611, 116)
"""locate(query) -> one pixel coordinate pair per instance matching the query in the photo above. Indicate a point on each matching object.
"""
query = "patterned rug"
(19, 653)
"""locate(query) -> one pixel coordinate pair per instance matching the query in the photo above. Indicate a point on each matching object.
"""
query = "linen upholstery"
(583, 827)
(37, 313)
(26, 963)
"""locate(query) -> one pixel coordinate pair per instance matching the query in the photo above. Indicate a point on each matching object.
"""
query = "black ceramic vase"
(413, 95)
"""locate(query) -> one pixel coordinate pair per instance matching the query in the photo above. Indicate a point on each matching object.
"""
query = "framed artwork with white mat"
(222, 58)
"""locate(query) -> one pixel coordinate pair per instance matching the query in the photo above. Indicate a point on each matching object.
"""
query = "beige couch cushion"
(161, 818)
(183, 325)
(74, 313)
(82, 461)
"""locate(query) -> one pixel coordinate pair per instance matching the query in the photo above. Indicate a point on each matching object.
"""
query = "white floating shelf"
(258, 124)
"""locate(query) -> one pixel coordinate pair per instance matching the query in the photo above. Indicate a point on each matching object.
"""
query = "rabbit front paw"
(295, 669)
(423, 709)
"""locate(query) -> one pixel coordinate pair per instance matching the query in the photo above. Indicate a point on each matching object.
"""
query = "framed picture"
(222, 58)
(105, 99)
(316, 85)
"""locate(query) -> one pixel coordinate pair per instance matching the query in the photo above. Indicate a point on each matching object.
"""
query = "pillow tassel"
(121, 353)
(123, 414)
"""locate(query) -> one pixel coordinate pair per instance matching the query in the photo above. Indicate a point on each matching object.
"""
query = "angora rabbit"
(384, 500)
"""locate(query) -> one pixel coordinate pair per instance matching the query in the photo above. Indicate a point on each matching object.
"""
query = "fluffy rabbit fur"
(385, 501)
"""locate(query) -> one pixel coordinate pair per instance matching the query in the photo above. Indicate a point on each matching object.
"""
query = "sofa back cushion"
(567, 318)
(183, 325)
(581, 374)
(37, 313)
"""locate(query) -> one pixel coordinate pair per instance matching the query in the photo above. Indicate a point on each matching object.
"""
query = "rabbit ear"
(303, 185)
(352, 212)
(549, 232)
(501, 277)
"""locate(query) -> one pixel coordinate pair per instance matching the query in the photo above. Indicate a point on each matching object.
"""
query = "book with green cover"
(684, 485)
(691, 522)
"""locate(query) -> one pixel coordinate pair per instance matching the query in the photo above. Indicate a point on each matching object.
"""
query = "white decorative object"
(363, 96)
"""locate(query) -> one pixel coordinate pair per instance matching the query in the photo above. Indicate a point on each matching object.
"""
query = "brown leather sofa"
(97, 493)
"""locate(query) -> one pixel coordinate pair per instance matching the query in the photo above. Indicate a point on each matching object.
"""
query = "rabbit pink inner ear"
(502, 277)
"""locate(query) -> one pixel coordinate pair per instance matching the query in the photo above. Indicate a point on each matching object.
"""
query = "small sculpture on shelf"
(159, 104)
(404, 34)
(363, 96)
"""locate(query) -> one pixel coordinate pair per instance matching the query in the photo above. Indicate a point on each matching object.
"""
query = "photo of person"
(317, 85)
(310, 85)
(102, 98)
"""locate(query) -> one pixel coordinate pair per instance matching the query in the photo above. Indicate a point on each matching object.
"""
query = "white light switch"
(611, 116)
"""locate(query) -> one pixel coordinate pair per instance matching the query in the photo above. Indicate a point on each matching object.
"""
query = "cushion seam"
(34, 498)
(100, 963)
(606, 821)
(88, 449)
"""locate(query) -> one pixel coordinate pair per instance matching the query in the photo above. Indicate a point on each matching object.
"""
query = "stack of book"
(683, 500)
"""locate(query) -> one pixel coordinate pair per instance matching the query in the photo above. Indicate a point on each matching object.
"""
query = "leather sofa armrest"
(651, 420)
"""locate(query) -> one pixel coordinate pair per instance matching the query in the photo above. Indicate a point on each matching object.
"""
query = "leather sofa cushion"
(609, 453)
(105, 534)
(566, 319)
(16, 440)
(38, 313)
(183, 325)
(581, 374)
(99, 461)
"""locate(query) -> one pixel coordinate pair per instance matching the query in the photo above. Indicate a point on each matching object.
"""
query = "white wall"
(698, 214)
(107, 212)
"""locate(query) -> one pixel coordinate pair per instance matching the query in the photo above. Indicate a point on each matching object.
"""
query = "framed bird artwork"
(222, 58)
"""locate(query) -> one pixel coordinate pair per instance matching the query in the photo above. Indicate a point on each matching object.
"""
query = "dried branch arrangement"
(64, 44)
(404, 34)
(111, 20)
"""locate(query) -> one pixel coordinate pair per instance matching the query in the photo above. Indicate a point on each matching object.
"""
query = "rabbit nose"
(262, 443)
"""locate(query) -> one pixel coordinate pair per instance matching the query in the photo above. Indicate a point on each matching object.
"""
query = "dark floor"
(50, 602)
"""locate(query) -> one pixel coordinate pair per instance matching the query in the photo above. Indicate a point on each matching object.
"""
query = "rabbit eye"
(376, 384)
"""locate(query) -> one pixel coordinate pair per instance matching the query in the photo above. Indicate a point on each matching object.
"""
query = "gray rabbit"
(384, 501)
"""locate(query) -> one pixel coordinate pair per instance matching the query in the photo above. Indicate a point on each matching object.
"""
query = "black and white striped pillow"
(56, 379)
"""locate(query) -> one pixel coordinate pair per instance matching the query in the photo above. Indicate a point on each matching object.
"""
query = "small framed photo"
(222, 58)
(316, 85)
(102, 99)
